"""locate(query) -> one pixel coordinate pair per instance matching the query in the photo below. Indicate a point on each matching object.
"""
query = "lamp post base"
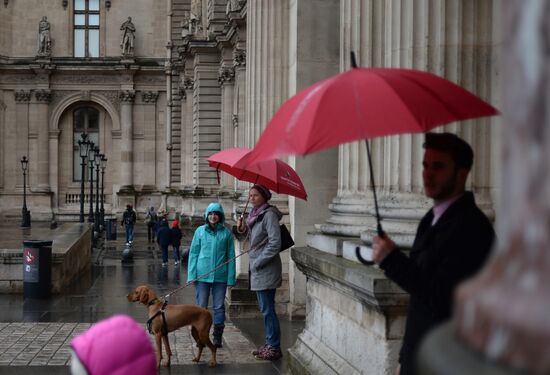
(26, 219)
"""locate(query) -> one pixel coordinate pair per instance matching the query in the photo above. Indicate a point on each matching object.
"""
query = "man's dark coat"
(442, 256)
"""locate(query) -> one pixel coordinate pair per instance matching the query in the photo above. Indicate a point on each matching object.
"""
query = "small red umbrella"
(274, 174)
(365, 103)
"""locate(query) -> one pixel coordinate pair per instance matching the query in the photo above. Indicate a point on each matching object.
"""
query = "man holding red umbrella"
(452, 242)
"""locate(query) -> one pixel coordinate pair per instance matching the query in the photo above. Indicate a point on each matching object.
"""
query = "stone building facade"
(205, 75)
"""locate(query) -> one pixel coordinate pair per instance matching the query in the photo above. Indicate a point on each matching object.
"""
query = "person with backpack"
(129, 219)
(164, 240)
(151, 222)
(212, 246)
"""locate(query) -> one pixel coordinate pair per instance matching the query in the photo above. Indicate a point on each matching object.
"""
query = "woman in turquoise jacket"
(212, 245)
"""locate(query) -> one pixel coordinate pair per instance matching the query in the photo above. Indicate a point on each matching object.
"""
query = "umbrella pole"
(242, 214)
(377, 213)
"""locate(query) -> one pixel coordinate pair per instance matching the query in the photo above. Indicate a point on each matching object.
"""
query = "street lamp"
(26, 220)
(97, 161)
(103, 166)
(91, 158)
(83, 150)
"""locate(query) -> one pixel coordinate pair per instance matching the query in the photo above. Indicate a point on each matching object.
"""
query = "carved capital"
(149, 96)
(226, 74)
(239, 57)
(22, 96)
(127, 96)
(43, 96)
(188, 83)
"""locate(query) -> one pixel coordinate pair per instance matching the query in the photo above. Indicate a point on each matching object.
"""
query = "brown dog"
(176, 316)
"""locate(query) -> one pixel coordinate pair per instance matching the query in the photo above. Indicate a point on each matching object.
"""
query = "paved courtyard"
(35, 334)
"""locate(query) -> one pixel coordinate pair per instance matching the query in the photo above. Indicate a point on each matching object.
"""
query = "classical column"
(238, 117)
(267, 36)
(186, 91)
(149, 103)
(22, 98)
(226, 78)
(40, 119)
(449, 38)
(126, 142)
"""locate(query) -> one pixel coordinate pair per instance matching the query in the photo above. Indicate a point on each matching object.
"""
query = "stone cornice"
(365, 284)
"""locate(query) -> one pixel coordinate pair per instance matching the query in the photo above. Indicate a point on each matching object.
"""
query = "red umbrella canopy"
(364, 103)
(274, 174)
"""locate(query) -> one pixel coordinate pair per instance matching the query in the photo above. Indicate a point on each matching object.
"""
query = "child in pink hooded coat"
(115, 346)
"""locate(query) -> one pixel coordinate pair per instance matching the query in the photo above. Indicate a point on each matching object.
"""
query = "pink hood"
(116, 346)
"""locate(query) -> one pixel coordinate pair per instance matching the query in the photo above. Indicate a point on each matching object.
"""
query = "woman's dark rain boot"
(217, 335)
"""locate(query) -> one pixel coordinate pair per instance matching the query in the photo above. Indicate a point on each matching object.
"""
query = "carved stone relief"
(226, 74)
(127, 96)
(149, 96)
(239, 57)
(22, 96)
(43, 96)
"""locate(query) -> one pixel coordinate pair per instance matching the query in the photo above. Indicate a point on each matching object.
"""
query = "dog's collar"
(152, 302)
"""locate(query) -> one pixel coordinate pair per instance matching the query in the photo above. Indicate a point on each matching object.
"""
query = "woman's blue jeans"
(266, 300)
(202, 290)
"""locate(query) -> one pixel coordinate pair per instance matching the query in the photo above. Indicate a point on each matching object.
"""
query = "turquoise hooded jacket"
(210, 248)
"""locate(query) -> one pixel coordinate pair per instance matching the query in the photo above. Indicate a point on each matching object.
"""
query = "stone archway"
(65, 163)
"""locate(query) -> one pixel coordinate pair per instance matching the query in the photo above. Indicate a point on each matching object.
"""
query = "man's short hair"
(459, 150)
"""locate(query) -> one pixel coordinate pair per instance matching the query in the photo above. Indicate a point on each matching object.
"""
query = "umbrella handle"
(242, 216)
(381, 233)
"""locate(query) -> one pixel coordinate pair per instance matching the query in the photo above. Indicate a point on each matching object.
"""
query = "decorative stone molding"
(22, 96)
(43, 96)
(235, 120)
(127, 96)
(149, 96)
(85, 95)
(239, 57)
(187, 83)
(226, 75)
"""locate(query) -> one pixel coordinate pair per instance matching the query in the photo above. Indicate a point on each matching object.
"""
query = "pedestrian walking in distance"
(175, 239)
(128, 221)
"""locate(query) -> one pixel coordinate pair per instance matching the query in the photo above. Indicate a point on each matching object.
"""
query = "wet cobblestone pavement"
(35, 334)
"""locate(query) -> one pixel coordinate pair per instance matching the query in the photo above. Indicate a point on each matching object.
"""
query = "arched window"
(86, 28)
(85, 120)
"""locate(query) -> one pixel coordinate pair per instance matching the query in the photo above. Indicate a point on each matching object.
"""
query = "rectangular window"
(86, 28)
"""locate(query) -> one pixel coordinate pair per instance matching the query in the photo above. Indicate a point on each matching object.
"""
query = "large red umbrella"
(364, 103)
(274, 174)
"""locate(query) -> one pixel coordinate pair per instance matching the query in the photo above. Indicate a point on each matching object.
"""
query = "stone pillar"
(126, 142)
(239, 110)
(149, 101)
(226, 78)
(267, 38)
(186, 90)
(39, 119)
(22, 98)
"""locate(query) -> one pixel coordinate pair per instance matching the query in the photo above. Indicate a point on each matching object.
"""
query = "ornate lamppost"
(103, 166)
(26, 219)
(97, 162)
(91, 159)
(83, 150)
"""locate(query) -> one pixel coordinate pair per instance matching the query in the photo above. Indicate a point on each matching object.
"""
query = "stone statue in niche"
(128, 36)
(44, 39)
(195, 16)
